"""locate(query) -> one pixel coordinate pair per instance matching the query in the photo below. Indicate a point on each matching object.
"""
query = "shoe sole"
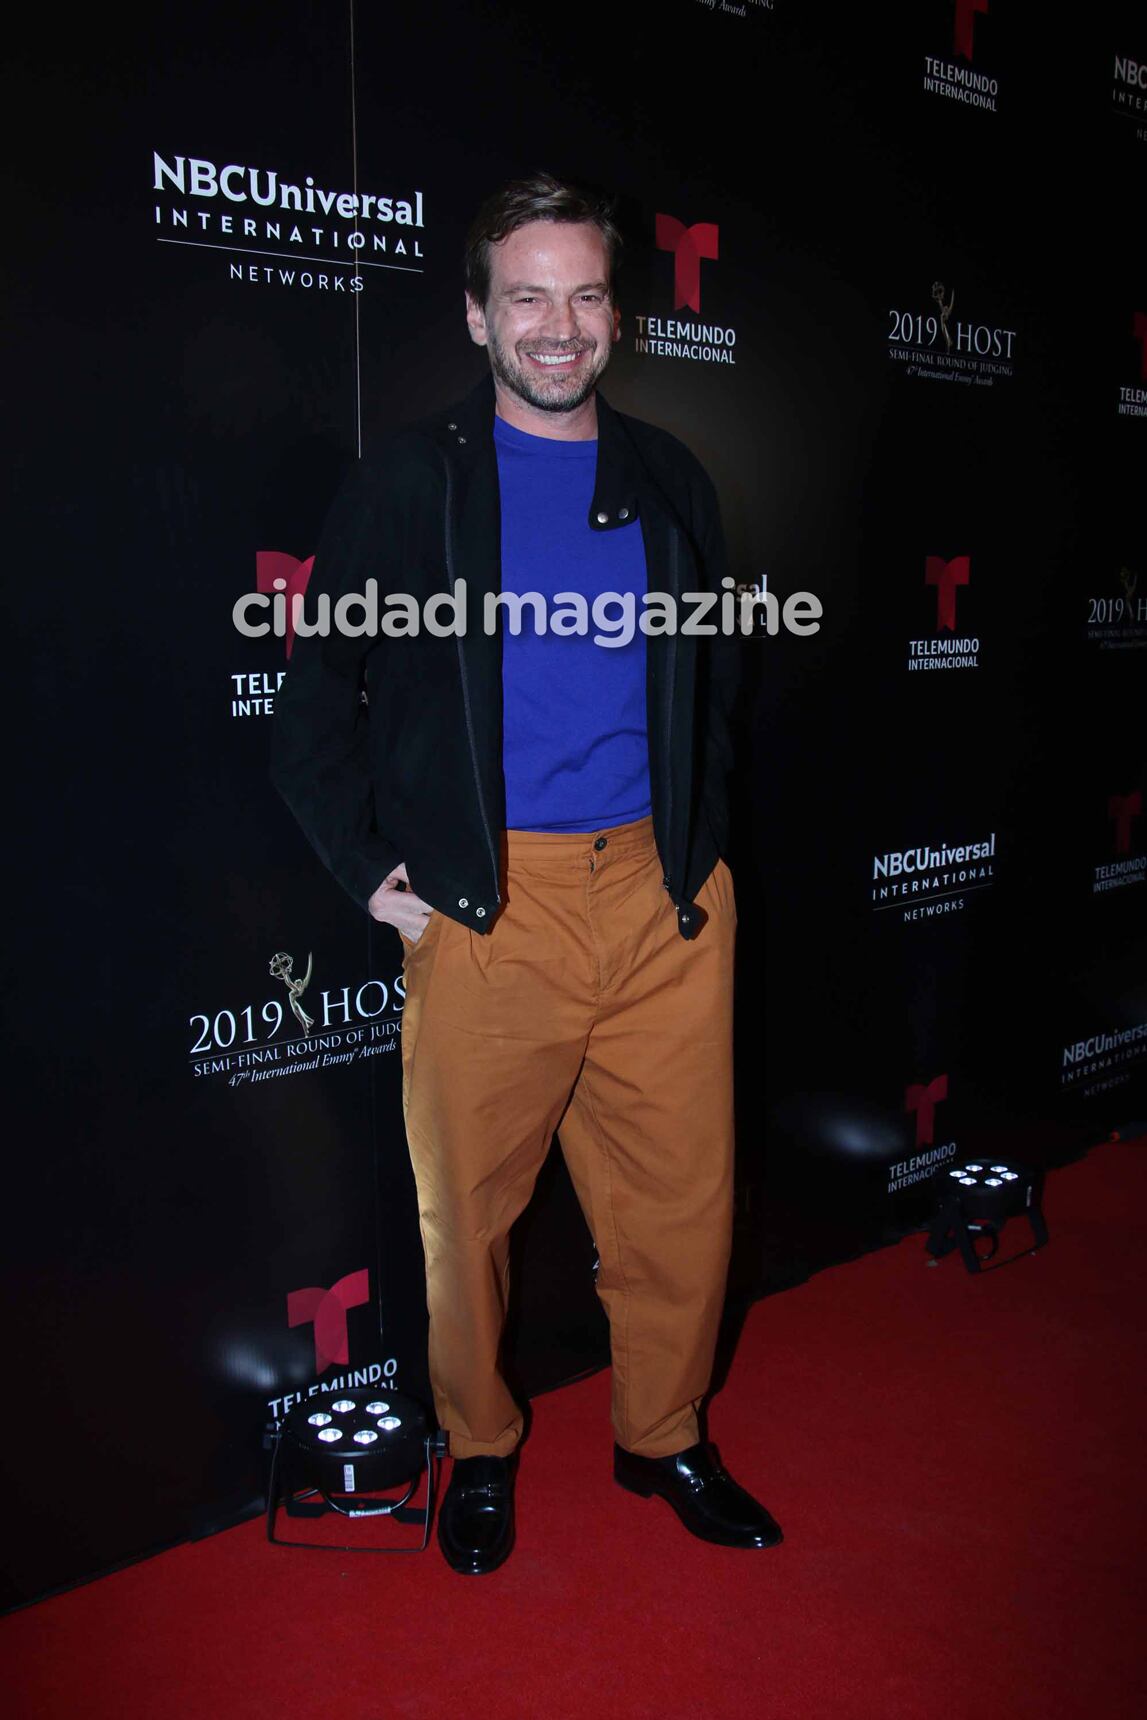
(477, 1570)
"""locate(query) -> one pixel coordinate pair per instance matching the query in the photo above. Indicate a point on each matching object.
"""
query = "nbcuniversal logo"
(930, 880)
(273, 229)
(1104, 1059)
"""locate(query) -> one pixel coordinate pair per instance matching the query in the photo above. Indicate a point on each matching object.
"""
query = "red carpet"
(957, 1463)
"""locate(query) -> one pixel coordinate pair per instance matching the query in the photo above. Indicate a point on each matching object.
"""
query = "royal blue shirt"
(575, 749)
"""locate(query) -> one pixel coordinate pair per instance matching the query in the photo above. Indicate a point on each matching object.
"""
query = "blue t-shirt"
(575, 751)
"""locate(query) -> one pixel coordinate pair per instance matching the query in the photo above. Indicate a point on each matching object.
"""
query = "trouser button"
(600, 843)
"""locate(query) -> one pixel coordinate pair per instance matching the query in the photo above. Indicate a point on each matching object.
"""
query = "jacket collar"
(467, 431)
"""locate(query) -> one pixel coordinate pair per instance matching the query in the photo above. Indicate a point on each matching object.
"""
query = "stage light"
(975, 1201)
(378, 1446)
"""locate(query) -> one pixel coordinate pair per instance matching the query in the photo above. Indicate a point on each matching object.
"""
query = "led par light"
(339, 1454)
(977, 1199)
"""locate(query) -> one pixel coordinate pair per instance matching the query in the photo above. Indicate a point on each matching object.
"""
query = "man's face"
(549, 321)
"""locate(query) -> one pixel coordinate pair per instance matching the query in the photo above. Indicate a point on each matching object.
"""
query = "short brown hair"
(540, 197)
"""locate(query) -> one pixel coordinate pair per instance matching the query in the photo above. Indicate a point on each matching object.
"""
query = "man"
(540, 815)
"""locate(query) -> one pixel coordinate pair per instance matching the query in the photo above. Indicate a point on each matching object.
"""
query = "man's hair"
(540, 197)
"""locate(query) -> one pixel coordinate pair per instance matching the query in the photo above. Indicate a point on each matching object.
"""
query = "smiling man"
(541, 818)
(548, 339)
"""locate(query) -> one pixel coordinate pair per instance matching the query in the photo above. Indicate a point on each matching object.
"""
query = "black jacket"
(413, 772)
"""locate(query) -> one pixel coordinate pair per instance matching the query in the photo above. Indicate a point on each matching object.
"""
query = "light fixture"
(976, 1200)
(376, 1447)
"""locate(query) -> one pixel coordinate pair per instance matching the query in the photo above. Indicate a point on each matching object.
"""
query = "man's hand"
(395, 904)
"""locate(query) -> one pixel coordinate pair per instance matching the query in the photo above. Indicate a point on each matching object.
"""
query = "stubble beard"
(509, 373)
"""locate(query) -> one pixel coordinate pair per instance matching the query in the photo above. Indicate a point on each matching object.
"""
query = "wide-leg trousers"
(587, 1013)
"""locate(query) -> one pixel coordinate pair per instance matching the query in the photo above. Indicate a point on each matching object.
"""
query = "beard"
(547, 394)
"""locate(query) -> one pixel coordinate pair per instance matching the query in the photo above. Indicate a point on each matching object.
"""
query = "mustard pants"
(583, 1012)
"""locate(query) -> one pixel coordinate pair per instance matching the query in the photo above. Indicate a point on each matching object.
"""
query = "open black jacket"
(413, 773)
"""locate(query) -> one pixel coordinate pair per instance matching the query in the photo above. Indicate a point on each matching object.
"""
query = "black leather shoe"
(476, 1516)
(703, 1494)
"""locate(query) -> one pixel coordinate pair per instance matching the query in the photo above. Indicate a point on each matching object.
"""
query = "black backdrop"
(192, 1165)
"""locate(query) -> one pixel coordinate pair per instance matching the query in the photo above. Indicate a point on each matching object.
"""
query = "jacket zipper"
(466, 690)
(671, 680)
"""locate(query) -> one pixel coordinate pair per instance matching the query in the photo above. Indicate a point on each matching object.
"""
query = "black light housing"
(976, 1199)
(340, 1453)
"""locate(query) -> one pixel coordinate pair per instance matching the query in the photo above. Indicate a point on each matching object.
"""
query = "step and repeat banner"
(885, 275)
